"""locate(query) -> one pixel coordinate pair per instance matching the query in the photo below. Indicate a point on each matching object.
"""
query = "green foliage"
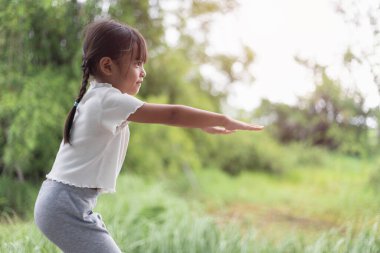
(332, 192)
(41, 58)
(16, 198)
(369, 17)
(242, 151)
(49, 41)
(374, 178)
(156, 149)
(169, 64)
(145, 15)
(330, 117)
(34, 122)
(306, 156)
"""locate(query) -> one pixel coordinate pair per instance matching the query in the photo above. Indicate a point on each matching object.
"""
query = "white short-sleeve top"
(99, 139)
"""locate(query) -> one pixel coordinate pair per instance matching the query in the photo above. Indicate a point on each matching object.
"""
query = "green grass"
(313, 200)
(306, 209)
(142, 217)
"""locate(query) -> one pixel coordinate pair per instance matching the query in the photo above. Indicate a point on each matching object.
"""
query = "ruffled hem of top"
(101, 190)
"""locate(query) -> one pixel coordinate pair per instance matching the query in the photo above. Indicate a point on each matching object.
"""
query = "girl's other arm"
(185, 116)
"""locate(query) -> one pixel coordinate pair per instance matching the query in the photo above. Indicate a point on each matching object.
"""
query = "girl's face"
(129, 75)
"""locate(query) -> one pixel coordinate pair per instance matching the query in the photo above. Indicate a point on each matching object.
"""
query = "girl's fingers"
(217, 130)
(255, 127)
(232, 129)
(240, 125)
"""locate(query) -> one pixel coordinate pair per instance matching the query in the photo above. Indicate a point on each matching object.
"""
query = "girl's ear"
(106, 65)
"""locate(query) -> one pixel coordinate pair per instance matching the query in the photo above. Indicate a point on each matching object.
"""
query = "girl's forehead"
(135, 53)
(139, 50)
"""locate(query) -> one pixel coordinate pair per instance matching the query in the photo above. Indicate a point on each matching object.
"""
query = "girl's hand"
(217, 130)
(233, 125)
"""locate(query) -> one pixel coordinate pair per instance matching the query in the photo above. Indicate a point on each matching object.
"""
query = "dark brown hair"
(104, 38)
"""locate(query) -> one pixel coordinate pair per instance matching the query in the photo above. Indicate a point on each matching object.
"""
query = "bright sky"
(277, 30)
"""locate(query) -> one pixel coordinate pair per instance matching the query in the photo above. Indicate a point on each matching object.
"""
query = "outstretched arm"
(185, 116)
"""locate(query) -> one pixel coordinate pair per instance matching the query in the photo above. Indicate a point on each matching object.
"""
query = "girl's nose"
(143, 72)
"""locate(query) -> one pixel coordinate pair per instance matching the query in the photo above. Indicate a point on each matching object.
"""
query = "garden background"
(309, 182)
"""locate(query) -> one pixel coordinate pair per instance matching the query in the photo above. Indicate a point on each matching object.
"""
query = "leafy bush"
(245, 151)
(331, 117)
(307, 155)
(374, 178)
(155, 149)
(16, 198)
(34, 119)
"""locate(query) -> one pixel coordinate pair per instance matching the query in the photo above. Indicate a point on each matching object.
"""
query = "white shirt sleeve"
(116, 108)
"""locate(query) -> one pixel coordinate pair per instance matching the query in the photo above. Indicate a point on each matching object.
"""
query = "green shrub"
(34, 120)
(16, 198)
(307, 155)
(247, 151)
(374, 178)
(158, 150)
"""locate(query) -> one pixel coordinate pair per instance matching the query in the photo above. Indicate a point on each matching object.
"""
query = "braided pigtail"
(70, 116)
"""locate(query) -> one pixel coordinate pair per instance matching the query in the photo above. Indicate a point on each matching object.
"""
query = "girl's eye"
(139, 63)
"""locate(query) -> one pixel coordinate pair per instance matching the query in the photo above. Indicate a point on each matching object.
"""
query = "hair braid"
(82, 91)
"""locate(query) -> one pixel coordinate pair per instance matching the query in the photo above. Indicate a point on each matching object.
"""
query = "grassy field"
(326, 207)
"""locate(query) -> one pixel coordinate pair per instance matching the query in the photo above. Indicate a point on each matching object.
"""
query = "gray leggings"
(64, 215)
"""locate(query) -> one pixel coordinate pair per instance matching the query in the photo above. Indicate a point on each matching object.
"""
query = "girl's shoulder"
(113, 96)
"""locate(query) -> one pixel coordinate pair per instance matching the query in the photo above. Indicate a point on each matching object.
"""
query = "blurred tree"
(145, 15)
(330, 116)
(39, 34)
(40, 58)
(192, 24)
(364, 15)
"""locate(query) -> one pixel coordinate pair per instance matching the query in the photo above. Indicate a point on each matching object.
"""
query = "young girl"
(96, 136)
